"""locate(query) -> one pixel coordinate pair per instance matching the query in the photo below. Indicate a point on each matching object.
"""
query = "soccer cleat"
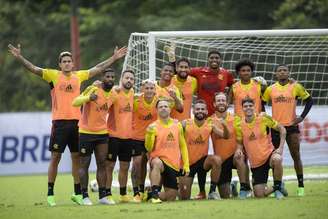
(243, 194)
(278, 195)
(300, 191)
(86, 201)
(283, 190)
(111, 200)
(78, 199)
(155, 200)
(125, 198)
(233, 187)
(136, 199)
(200, 196)
(214, 196)
(51, 200)
(104, 201)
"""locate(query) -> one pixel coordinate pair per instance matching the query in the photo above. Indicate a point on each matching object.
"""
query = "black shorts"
(260, 174)
(138, 147)
(169, 177)
(275, 135)
(64, 132)
(121, 148)
(197, 167)
(226, 171)
(88, 142)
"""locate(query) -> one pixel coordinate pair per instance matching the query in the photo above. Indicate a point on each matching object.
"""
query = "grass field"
(24, 197)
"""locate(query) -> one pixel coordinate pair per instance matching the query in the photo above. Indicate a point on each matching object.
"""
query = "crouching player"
(252, 134)
(197, 132)
(166, 145)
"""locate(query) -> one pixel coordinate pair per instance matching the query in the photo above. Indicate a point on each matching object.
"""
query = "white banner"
(24, 139)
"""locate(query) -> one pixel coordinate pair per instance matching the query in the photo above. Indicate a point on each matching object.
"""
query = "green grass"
(24, 197)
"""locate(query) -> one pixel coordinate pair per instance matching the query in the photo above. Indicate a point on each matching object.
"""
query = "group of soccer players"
(156, 126)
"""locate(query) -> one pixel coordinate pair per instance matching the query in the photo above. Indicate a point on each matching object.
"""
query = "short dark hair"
(247, 100)
(214, 51)
(200, 101)
(244, 62)
(168, 64)
(107, 70)
(63, 54)
(162, 99)
(128, 71)
(280, 65)
(183, 60)
(219, 93)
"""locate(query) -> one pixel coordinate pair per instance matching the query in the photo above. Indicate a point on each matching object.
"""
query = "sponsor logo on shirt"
(252, 137)
(198, 141)
(282, 99)
(170, 137)
(125, 109)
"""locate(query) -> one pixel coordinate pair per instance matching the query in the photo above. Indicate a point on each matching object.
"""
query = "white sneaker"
(87, 201)
(104, 201)
(214, 196)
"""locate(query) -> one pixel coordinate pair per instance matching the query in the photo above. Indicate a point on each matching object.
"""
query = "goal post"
(304, 50)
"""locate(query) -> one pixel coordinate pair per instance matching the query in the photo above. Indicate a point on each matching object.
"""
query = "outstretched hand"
(14, 51)
(170, 51)
(119, 52)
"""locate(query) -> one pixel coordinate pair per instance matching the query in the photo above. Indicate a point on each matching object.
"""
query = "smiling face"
(214, 61)
(183, 69)
(245, 73)
(149, 89)
(248, 108)
(220, 103)
(167, 73)
(200, 111)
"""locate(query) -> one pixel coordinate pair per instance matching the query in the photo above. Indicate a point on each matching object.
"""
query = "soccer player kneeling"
(197, 132)
(166, 145)
(252, 134)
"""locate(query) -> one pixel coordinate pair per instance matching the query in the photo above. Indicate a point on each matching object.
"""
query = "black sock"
(248, 187)
(51, 188)
(108, 191)
(135, 191)
(142, 188)
(122, 190)
(77, 189)
(276, 185)
(102, 192)
(155, 190)
(243, 186)
(84, 192)
(213, 187)
(300, 180)
(201, 180)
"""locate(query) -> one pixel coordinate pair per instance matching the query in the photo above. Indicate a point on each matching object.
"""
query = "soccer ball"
(260, 80)
(93, 185)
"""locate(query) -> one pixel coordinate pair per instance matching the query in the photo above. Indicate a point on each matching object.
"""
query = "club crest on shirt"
(252, 137)
(170, 137)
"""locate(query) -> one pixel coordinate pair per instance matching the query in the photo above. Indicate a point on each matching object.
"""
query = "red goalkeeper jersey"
(209, 82)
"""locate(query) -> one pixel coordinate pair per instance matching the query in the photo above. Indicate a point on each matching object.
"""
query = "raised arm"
(16, 52)
(99, 68)
(178, 102)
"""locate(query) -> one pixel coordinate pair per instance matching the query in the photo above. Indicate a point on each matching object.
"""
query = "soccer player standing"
(65, 86)
(197, 132)
(187, 86)
(210, 79)
(93, 134)
(283, 96)
(246, 87)
(252, 135)
(144, 113)
(166, 145)
(119, 124)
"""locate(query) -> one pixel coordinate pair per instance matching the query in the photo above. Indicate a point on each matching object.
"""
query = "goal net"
(305, 51)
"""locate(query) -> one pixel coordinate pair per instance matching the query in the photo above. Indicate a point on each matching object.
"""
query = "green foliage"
(43, 30)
